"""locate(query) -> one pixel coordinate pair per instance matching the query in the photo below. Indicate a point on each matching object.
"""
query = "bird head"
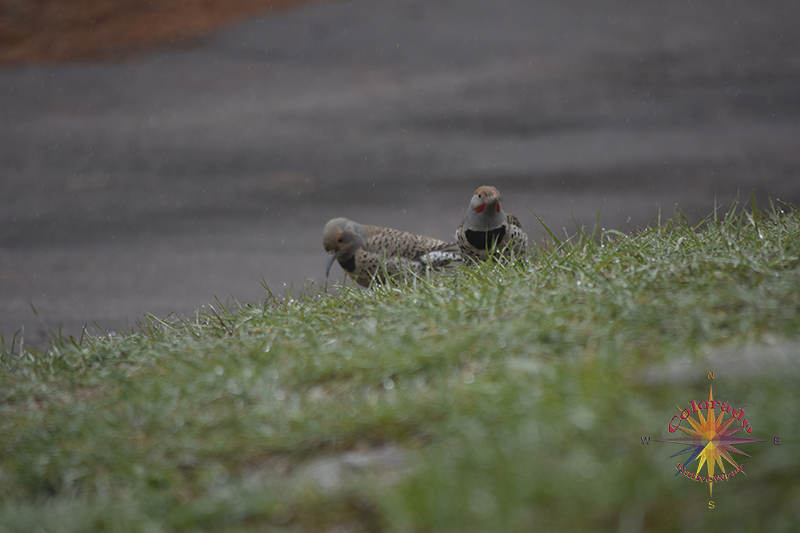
(341, 238)
(486, 197)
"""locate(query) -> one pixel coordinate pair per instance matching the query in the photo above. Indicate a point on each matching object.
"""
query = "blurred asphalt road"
(154, 185)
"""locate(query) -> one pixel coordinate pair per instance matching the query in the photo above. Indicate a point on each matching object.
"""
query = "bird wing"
(390, 241)
(438, 260)
(514, 221)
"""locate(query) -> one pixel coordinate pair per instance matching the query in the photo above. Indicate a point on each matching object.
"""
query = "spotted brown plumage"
(486, 226)
(364, 252)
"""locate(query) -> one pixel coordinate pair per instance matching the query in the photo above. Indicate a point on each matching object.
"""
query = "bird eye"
(340, 239)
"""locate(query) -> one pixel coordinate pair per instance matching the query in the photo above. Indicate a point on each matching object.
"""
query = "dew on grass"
(583, 465)
(42, 461)
(220, 474)
(582, 417)
(483, 503)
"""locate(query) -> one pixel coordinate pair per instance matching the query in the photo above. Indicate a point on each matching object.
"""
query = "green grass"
(515, 395)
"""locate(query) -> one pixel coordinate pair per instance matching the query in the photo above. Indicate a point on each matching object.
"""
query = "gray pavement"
(154, 184)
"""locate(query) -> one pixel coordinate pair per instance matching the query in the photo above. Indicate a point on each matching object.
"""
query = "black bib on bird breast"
(349, 265)
(483, 240)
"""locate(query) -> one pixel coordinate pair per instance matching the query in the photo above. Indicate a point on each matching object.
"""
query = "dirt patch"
(51, 31)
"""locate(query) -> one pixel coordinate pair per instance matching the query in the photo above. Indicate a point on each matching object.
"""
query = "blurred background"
(155, 156)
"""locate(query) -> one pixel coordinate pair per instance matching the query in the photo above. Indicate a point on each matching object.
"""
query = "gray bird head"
(484, 209)
(341, 239)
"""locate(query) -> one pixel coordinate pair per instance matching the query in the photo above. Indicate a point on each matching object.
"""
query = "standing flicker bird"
(365, 251)
(486, 226)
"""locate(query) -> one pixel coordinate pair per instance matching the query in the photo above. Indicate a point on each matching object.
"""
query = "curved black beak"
(331, 258)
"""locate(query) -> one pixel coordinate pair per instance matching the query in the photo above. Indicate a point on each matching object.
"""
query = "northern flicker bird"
(365, 251)
(486, 226)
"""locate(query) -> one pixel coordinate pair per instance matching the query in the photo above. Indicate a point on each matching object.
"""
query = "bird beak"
(494, 202)
(331, 258)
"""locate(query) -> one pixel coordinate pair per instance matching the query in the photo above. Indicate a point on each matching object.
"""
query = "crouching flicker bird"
(369, 252)
(486, 227)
